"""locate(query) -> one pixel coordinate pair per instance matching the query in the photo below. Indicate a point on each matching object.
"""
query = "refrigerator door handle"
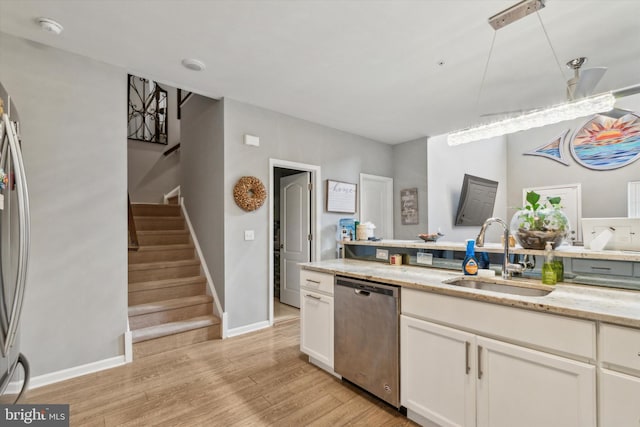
(23, 237)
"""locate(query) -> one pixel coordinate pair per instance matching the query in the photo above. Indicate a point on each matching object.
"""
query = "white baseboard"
(225, 322)
(247, 328)
(66, 374)
(128, 345)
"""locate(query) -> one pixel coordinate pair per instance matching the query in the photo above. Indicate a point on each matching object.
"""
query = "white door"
(520, 387)
(295, 223)
(570, 200)
(376, 204)
(438, 372)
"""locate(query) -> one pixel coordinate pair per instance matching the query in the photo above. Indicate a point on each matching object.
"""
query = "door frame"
(315, 212)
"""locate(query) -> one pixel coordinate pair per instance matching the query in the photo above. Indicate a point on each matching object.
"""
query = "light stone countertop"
(562, 251)
(617, 306)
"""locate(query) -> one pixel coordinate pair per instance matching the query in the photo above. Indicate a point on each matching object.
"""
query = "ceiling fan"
(583, 83)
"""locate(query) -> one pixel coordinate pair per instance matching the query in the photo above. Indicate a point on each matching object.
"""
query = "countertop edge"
(559, 304)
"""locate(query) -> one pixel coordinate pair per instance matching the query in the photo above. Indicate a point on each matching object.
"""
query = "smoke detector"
(193, 64)
(50, 26)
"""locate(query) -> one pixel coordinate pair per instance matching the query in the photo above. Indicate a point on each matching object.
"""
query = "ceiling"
(372, 68)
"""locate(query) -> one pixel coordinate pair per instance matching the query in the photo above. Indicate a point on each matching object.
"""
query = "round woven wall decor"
(249, 193)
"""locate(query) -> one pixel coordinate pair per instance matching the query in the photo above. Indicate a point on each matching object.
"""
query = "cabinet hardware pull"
(467, 346)
(601, 268)
(313, 281)
(312, 296)
(479, 362)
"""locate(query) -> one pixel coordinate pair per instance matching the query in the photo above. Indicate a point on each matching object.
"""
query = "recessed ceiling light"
(193, 64)
(50, 25)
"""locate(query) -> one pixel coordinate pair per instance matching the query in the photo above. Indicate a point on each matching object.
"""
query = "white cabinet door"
(523, 387)
(437, 372)
(316, 326)
(619, 400)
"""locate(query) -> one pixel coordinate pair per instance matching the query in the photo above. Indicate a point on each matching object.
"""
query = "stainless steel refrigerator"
(14, 251)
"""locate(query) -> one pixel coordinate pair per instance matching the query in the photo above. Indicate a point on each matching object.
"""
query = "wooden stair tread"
(163, 264)
(156, 232)
(170, 304)
(152, 209)
(150, 248)
(171, 328)
(165, 283)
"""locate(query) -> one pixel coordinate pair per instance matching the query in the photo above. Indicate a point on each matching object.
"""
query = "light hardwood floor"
(256, 379)
(283, 312)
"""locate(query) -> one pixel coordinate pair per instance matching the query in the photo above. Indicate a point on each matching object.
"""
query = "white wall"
(150, 174)
(604, 193)
(446, 168)
(342, 156)
(72, 113)
(202, 177)
(410, 171)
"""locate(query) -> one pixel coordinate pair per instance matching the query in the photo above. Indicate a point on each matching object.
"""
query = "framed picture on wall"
(341, 196)
(409, 206)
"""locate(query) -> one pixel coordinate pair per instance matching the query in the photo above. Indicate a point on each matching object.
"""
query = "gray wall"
(410, 171)
(202, 181)
(75, 309)
(342, 156)
(150, 174)
(446, 168)
(604, 193)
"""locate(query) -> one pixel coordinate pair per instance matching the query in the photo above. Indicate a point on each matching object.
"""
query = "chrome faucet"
(507, 268)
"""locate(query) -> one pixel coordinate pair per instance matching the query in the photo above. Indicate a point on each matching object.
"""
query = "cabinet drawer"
(620, 346)
(596, 266)
(316, 281)
(636, 269)
(550, 332)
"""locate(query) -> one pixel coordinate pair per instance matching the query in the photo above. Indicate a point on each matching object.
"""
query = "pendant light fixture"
(533, 118)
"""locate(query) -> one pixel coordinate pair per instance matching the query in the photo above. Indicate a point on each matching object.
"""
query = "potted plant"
(536, 223)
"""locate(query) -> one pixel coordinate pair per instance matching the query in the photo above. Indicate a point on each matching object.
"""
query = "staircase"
(168, 303)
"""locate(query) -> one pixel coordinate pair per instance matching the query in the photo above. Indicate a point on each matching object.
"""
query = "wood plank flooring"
(257, 379)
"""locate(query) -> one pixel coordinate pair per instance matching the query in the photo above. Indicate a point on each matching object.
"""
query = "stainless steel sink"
(494, 286)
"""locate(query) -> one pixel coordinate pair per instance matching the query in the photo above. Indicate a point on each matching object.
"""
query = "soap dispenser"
(470, 263)
(549, 270)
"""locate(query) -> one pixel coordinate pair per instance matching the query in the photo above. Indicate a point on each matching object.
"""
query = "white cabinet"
(436, 377)
(316, 317)
(460, 377)
(619, 405)
(619, 391)
(529, 388)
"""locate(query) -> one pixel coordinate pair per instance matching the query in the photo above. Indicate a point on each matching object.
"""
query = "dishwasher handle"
(361, 293)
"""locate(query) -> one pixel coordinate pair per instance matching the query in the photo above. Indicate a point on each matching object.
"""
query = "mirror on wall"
(148, 112)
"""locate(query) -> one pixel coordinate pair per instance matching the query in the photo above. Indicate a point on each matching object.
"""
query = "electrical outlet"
(249, 235)
(424, 258)
(382, 254)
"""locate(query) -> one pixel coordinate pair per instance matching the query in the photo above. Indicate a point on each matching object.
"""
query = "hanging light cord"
(484, 74)
(555, 56)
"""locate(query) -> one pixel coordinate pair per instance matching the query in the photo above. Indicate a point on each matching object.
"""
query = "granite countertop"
(617, 306)
(562, 251)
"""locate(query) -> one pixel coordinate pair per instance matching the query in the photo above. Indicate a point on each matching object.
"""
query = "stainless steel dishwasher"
(366, 336)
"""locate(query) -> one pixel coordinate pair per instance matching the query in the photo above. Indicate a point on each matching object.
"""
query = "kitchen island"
(476, 357)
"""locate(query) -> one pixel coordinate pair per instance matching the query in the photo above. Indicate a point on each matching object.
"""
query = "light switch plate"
(251, 140)
(249, 235)
(382, 254)
(424, 258)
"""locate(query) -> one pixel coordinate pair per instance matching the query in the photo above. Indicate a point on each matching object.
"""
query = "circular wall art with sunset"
(606, 142)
